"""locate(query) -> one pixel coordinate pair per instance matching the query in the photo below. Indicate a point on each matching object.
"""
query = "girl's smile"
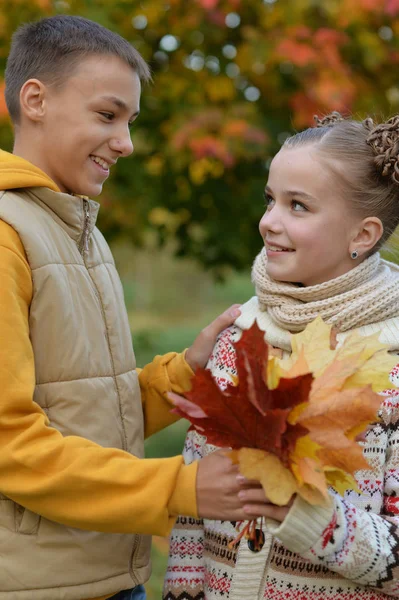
(276, 250)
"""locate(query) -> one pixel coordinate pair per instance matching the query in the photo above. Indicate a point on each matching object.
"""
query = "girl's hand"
(199, 352)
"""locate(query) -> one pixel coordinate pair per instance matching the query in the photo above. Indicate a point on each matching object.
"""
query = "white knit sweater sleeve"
(358, 535)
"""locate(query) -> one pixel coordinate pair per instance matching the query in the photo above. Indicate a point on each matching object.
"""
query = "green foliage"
(231, 81)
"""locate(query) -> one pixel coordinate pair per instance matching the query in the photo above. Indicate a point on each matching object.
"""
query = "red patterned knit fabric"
(348, 551)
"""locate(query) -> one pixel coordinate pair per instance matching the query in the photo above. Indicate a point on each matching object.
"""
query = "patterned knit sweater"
(347, 551)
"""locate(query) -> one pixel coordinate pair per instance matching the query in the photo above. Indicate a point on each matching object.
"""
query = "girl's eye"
(269, 201)
(298, 206)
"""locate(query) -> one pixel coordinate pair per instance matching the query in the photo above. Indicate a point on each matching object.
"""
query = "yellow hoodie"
(167, 481)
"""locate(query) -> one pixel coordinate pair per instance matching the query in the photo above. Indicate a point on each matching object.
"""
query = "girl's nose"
(271, 221)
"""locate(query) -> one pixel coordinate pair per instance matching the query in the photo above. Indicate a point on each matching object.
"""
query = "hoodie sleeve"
(71, 480)
(166, 373)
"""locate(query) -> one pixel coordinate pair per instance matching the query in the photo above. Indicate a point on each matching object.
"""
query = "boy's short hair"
(50, 50)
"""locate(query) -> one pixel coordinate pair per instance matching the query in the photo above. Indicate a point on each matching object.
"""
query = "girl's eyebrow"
(297, 193)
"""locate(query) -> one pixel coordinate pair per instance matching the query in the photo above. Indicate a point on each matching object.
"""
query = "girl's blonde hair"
(364, 159)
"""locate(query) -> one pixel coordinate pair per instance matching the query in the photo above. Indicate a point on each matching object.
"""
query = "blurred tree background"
(232, 79)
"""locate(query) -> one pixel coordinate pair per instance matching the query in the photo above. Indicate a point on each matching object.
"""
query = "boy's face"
(85, 124)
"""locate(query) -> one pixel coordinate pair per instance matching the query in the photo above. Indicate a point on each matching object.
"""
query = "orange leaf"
(349, 459)
(333, 378)
(331, 423)
(312, 475)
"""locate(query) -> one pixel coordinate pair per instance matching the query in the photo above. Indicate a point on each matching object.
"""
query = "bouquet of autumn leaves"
(292, 424)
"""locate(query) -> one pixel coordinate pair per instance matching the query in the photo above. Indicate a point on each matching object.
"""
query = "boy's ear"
(32, 99)
(369, 233)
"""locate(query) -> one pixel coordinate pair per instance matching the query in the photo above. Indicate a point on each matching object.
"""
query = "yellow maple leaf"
(277, 368)
(361, 359)
(340, 480)
(278, 482)
(308, 471)
(315, 342)
(375, 362)
(316, 468)
(273, 372)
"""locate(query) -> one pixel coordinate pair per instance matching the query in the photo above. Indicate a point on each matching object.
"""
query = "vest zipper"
(84, 240)
(84, 249)
(135, 543)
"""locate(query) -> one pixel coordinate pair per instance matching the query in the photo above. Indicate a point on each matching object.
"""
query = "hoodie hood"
(16, 172)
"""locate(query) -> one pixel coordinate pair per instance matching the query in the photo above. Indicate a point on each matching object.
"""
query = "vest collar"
(68, 211)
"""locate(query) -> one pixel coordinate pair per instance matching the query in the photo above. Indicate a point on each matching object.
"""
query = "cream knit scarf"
(368, 293)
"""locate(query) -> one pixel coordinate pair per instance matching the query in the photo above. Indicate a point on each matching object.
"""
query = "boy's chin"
(90, 190)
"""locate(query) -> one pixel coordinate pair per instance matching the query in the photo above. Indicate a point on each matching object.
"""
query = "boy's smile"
(84, 125)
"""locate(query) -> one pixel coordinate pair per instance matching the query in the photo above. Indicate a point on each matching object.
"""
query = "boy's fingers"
(253, 496)
(222, 321)
(270, 511)
(198, 354)
(244, 482)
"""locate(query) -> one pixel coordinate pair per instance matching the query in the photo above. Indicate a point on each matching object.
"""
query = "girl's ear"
(32, 99)
(367, 235)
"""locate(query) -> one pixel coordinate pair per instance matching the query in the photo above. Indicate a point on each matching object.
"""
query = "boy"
(77, 498)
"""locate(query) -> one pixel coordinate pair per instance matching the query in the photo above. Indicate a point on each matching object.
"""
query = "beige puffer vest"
(85, 366)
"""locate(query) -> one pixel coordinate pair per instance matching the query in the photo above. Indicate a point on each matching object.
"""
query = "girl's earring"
(354, 254)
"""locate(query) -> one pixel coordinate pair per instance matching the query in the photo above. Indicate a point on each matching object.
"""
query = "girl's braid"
(329, 120)
(384, 140)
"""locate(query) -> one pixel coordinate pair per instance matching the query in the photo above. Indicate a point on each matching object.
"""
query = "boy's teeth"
(99, 161)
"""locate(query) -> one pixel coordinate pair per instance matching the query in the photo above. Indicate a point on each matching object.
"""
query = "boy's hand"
(218, 489)
(199, 352)
(254, 509)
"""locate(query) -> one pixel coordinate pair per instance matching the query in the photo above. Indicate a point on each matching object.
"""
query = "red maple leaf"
(248, 414)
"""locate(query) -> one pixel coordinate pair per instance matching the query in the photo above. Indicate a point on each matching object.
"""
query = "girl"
(332, 201)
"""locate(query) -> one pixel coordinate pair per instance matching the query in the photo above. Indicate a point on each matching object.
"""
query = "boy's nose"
(122, 144)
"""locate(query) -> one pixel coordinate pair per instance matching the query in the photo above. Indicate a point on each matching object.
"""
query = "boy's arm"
(72, 480)
(173, 372)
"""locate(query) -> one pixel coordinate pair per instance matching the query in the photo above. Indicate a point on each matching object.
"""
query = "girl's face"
(308, 226)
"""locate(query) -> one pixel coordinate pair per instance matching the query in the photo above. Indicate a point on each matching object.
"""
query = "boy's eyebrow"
(119, 103)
